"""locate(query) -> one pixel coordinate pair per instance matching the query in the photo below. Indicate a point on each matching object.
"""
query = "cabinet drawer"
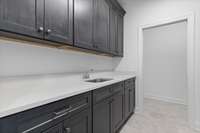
(117, 87)
(55, 129)
(79, 123)
(130, 83)
(78, 103)
(41, 118)
(101, 94)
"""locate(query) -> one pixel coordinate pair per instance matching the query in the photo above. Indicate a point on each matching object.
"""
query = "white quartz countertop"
(20, 94)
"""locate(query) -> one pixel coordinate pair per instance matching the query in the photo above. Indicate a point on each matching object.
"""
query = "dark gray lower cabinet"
(115, 106)
(132, 100)
(55, 129)
(129, 102)
(79, 123)
(102, 117)
(52, 118)
(103, 110)
(118, 110)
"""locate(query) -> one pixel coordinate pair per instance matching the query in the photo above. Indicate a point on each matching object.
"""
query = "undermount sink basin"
(99, 80)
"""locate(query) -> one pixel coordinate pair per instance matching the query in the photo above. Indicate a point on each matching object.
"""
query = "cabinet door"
(79, 123)
(102, 117)
(56, 129)
(132, 95)
(113, 31)
(83, 23)
(118, 110)
(129, 101)
(22, 16)
(101, 25)
(126, 103)
(59, 21)
(132, 100)
(120, 32)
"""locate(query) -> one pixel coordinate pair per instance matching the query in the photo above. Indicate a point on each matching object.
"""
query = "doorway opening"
(164, 63)
(190, 64)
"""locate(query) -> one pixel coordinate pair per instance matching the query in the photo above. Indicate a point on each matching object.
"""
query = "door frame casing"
(191, 64)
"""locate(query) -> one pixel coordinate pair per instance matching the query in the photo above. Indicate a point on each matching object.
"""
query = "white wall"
(22, 59)
(165, 62)
(150, 11)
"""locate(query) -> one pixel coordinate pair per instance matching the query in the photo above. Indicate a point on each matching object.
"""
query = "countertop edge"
(27, 107)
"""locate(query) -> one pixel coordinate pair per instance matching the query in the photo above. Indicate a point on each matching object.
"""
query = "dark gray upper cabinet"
(98, 25)
(113, 31)
(116, 29)
(101, 25)
(83, 23)
(59, 20)
(22, 17)
(91, 24)
(120, 37)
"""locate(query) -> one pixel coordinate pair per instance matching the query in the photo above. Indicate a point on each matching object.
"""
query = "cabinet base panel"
(118, 131)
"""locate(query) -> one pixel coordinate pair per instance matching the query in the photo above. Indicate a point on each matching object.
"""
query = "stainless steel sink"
(98, 80)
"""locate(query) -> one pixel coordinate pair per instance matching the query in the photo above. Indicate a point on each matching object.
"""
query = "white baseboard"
(137, 110)
(197, 126)
(165, 99)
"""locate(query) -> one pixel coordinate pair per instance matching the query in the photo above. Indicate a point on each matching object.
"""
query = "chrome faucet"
(86, 75)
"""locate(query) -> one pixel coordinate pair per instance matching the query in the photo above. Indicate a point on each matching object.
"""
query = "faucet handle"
(86, 75)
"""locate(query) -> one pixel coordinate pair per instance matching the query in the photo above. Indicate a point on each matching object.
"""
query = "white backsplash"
(17, 58)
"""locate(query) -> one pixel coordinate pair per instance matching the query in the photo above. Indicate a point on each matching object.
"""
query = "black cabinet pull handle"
(68, 130)
(79, 107)
(68, 110)
(41, 29)
(37, 126)
(58, 115)
(64, 111)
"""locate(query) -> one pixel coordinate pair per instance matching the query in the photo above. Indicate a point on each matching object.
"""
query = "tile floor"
(159, 117)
